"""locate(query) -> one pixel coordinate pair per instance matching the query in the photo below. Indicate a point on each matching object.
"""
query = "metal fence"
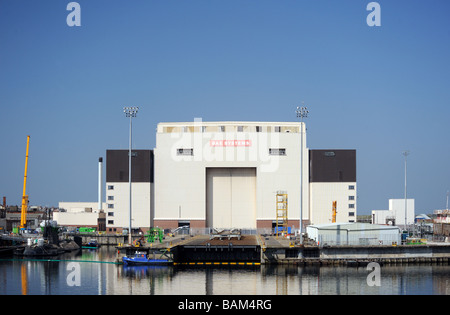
(358, 240)
(208, 231)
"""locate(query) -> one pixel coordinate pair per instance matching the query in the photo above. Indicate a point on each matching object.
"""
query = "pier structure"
(202, 250)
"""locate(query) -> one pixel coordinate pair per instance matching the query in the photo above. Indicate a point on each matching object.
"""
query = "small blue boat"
(93, 244)
(141, 259)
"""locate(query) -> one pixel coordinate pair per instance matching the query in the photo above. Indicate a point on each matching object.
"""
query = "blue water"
(80, 274)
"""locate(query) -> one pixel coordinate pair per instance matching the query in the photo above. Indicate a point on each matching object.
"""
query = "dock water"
(205, 250)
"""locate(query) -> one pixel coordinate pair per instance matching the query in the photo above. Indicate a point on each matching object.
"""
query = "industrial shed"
(354, 234)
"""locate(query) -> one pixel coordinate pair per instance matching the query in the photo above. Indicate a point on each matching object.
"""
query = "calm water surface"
(60, 277)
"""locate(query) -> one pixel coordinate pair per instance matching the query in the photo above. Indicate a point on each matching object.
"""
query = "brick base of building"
(260, 224)
(267, 224)
(173, 224)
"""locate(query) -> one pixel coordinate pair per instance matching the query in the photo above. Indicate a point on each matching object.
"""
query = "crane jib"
(23, 216)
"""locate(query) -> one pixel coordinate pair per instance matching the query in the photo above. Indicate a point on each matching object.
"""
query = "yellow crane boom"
(334, 212)
(23, 216)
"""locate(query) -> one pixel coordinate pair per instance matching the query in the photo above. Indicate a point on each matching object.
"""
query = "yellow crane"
(23, 216)
(333, 216)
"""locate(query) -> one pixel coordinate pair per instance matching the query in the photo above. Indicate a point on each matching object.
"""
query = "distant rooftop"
(228, 126)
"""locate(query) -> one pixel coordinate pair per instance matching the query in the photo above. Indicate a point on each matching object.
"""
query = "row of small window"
(277, 151)
(241, 128)
(111, 206)
(350, 214)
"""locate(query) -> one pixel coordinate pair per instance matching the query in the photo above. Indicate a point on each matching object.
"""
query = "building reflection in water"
(106, 278)
(281, 280)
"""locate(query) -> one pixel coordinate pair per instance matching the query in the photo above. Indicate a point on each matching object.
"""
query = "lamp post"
(448, 194)
(130, 112)
(405, 153)
(302, 112)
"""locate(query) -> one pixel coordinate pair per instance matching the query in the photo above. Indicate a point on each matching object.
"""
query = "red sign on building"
(230, 143)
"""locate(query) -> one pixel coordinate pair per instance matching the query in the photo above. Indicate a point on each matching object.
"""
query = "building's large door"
(231, 198)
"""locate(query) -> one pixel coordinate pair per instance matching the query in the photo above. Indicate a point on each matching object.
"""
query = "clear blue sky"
(379, 90)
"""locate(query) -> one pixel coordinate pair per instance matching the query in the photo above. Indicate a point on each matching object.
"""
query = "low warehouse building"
(396, 213)
(354, 234)
(77, 214)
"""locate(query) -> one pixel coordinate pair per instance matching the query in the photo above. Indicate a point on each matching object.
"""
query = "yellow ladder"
(282, 213)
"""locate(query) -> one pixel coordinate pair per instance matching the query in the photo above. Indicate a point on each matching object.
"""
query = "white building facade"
(226, 174)
(77, 214)
(396, 213)
(117, 192)
(118, 204)
(332, 178)
(354, 234)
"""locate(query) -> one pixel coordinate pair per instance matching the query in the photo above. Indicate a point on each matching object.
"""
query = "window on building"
(240, 128)
(351, 187)
(185, 151)
(277, 129)
(110, 214)
(277, 151)
(351, 197)
(110, 187)
(222, 128)
(258, 128)
(110, 197)
(203, 128)
(110, 221)
(110, 206)
(351, 206)
(351, 214)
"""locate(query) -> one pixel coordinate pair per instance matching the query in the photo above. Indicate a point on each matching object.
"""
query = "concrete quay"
(358, 255)
(259, 249)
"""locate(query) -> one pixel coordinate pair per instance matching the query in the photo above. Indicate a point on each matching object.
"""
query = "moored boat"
(141, 259)
(42, 250)
(92, 244)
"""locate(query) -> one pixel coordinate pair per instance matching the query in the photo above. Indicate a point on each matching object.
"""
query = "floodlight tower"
(405, 153)
(448, 194)
(130, 112)
(302, 112)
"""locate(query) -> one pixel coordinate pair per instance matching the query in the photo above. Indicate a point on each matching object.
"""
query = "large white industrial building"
(227, 175)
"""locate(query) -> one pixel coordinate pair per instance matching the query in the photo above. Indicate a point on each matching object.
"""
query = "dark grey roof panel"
(332, 165)
(141, 167)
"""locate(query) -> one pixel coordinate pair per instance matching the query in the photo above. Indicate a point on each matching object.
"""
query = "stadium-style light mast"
(130, 112)
(405, 153)
(302, 112)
